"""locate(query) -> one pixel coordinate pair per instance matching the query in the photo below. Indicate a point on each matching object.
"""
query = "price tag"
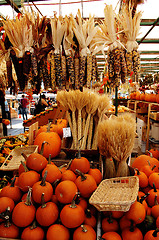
(66, 132)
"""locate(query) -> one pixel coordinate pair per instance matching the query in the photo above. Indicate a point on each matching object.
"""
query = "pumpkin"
(6, 202)
(142, 97)
(86, 184)
(155, 209)
(117, 214)
(36, 161)
(24, 212)
(84, 232)
(157, 98)
(155, 152)
(33, 232)
(81, 202)
(8, 230)
(143, 160)
(54, 143)
(21, 168)
(147, 169)
(47, 213)
(80, 163)
(154, 179)
(90, 219)
(136, 213)
(68, 175)
(157, 222)
(131, 233)
(111, 236)
(152, 235)
(125, 222)
(11, 191)
(42, 187)
(109, 224)
(66, 191)
(152, 193)
(142, 200)
(96, 173)
(53, 173)
(6, 121)
(72, 215)
(143, 179)
(27, 179)
(57, 231)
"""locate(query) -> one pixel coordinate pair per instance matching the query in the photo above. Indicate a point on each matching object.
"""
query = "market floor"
(16, 126)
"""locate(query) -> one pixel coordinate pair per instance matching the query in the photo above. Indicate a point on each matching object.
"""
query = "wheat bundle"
(120, 134)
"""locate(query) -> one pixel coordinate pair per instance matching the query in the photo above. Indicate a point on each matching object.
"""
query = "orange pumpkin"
(81, 202)
(24, 212)
(6, 202)
(109, 224)
(9, 230)
(157, 222)
(125, 222)
(143, 160)
(53, 173)
(155, 209)
(154, 179)
(152, 193)
(131, 233)
(136, 212)
(72, 215)
(152, 235)
(96, 173)
(68, 175)
(90, 219)
(66, 191)
(33, 232)
(111, 236)
(84, 232)
(143, 179)
(54, 143)
(117, 214)
(80, 163)
(147, 169)
(6, 121)
(57, 231)
(47, 213)
(155, 152)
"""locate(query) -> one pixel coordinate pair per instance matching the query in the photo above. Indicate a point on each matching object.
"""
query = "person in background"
(3, 112)
(41, 105)
(24, 103)
(7, 110)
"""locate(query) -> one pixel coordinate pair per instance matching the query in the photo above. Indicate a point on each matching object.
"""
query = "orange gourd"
(80, 163)
(42, 187)
(65, 191)
(72, 215)
(125, 222)
(157, 222)
(33, 232)
(27, 179)
(47, 213)
(54, 143)
(24, 212)
(143, 179)
(109, 224)
(152, 235)
(117, 214)
(96, 173)
(6, 202)
(152, 193)
(68, 175)
(6, 121)
(154, 179)
(143, 160)
(84, 232)
(155, 152)
(111, 236)
(90, 219)
(136, 212)
(155, 209)
(57, 231)
(11, 191)
(9, 230)
(131, 233)
(147, 169)
(86, 184)
(81, 202)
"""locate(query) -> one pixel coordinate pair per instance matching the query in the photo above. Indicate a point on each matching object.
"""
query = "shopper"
(41, 105)
(24, 103)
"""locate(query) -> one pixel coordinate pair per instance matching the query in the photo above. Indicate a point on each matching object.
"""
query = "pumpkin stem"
(13, 182)
(132, 226)
(88, 213)
(153, 167)
(62, 166)
(84, 229)
(154, 187)
(144, 197)
(28, 200)
(137, 170)
(44, 179)
(43, 204)
(73, 203)
(49, 159)
(69, 164)
(6, 214)
(110, 219)
(33, 226)
(25, 167)
(150, 154)
(82, 175)
(42, 147)
(24, 156)
(154, 234)
(48, 127)
(7, 223)
(148, 162)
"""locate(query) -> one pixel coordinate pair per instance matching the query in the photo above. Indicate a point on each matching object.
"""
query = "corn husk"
(52, 71)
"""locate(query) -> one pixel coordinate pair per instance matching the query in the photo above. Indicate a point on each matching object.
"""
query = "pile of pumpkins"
(145, 97)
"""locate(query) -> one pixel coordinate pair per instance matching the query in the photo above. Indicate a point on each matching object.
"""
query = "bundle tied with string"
(120, 133)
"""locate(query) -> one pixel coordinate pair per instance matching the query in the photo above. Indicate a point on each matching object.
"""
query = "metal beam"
(13, 5)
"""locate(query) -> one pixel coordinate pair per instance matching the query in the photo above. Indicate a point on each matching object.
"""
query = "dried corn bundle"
(27, 62)
(129, 63)
(34, 64)
(117, 67)
(9, 73)
(76, 65)
(82, 71)
(136, 62)
(89, 70)
(123, 66)
(64, 70)
(52, 71)
(46, 77)
(57, 28)
(70, 67)
(94, 77)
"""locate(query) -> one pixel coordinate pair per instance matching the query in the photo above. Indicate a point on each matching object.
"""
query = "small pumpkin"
(90, 219)
(136, 213)
(143, 179)
(57, 231)
(152, 193)
(33, 232)
(143, 160)
(80, 163)
(154, 179)
(152, 235)
(84, 232)
(155, 152)
(111, 236)
(155, 208)
(131, 233)
(6, 202)
(125, 222)
(68, 175)
(109, 224)
(9, 230)
(6, 121)
(47, 213)
(24, 212)
(96, 173)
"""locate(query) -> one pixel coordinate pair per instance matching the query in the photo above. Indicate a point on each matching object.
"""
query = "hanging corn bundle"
(77, 67)
(57, 28)
(52, 71)
(131, 27)
(46, 77)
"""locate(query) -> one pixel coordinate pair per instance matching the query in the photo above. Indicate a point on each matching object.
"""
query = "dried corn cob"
(27, 63)
(9, 73)
(93, 68)
(70, 67)
(34, 64)
(82, 71)
(46, 77)
(123, 66)
(58, 70)
(31, 78)
(97, 74)
(64, 72)
(128, 56)
(52, 72)
(76, 72)
(110, 60)
(117, 67)
(135, 58)
(89, 70)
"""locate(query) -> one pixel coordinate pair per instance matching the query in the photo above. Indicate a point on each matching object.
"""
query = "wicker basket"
(115, 194)
(14, 159)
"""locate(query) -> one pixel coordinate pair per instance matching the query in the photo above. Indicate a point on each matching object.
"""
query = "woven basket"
(14, 159)
(115, 194)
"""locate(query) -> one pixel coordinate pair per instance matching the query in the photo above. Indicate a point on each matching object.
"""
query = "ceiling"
(149, 47)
